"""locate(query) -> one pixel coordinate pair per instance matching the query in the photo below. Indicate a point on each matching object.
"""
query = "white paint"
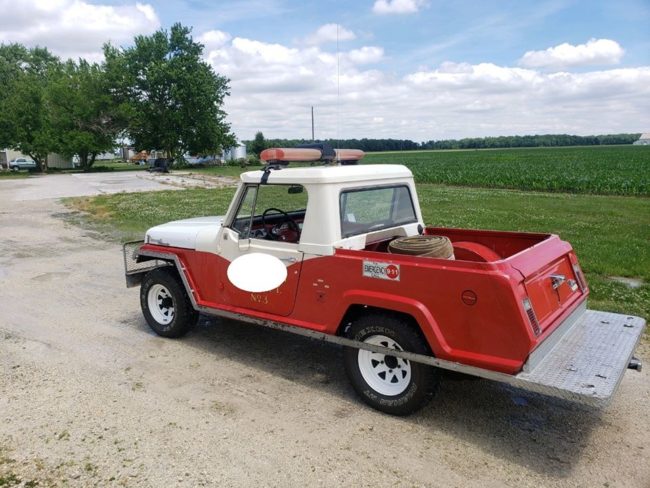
(331, 174)
(182, 233)
(321, 231)
(257, 272)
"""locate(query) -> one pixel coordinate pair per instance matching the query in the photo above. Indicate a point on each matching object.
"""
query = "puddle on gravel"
(629, 282)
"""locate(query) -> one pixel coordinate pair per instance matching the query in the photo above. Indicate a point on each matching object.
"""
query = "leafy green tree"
(84, 117)
(258, 144)
(25, 123)
(173, 98)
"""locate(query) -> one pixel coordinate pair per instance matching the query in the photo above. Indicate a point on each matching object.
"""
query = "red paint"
(491, 332)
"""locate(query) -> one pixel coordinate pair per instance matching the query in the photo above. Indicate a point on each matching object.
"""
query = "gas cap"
(469, 297)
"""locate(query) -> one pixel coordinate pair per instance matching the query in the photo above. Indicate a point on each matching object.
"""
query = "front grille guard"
(134, 267)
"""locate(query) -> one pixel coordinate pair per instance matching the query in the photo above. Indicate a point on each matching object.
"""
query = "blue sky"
(460, 31)
(418, 69)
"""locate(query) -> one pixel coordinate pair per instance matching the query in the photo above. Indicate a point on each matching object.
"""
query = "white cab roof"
(330, 174)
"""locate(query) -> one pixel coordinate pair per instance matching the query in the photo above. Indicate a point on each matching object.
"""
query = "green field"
(604, 170)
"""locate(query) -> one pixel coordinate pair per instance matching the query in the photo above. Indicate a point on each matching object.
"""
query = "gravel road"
(89, 396)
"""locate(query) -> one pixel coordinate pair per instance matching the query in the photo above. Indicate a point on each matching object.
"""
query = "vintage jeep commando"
(506, 306)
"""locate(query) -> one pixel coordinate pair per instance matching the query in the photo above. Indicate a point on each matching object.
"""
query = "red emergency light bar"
(290, 155)
(349, 154)
(284, 156)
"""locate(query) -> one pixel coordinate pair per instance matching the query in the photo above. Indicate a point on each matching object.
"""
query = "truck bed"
(478, 245)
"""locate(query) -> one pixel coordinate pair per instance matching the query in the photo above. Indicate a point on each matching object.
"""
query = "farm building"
(53, 160)
(644, 140)
(234, 153)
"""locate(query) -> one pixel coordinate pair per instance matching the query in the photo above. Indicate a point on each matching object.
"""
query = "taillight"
(580, 277)
(532, 318)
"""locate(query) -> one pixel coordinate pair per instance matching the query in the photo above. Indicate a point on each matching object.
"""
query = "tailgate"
(552, 289)
(587, 363)
(552, 279)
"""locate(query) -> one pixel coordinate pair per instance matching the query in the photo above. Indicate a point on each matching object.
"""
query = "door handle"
(557, 280)
(288, 260)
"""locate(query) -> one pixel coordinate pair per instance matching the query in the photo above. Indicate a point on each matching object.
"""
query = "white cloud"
(214, 39)
(74, 28)
(328, 33)
(593, 52)
(273, 87)
(397, 6)
(366, 55)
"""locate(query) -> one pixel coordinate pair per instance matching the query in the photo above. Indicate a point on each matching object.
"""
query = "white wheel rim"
(387, 375)
(161, 304)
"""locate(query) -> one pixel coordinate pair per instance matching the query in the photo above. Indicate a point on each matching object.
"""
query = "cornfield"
(604, 170)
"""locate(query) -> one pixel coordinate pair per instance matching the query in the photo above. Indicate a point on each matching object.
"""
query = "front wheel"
(165, 304)
(388, 383)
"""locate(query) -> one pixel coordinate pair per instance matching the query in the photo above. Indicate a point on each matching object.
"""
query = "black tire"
(166, 284)
(418, 390)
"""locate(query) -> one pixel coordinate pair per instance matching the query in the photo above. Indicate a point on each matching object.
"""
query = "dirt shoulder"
(89, 396)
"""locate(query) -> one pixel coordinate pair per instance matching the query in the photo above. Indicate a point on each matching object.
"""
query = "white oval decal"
(257, 272)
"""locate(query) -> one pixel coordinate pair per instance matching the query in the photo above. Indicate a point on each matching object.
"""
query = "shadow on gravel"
(541, 433)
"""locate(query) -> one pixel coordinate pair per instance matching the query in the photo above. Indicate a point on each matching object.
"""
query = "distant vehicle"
(200, 160)
(159, 165)
(22, 163)
(140, 158)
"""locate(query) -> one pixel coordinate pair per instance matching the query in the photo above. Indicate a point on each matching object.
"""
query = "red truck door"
(268, 220)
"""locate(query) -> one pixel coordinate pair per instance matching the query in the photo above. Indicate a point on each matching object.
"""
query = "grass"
(130, 214)
(609, 233)
(232, 171)
(9, 175)
(101, 167)
(604, 170)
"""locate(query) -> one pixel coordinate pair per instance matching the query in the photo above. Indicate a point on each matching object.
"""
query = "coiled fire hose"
(426, 246)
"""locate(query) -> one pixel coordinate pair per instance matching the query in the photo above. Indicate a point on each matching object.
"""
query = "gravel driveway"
(89, 396)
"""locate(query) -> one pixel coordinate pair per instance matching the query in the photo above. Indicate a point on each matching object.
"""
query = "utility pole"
(312, 124)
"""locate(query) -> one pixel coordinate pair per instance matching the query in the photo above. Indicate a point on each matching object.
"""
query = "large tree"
(84, 117)
(25, 121)
(174, 99)
(258, 145)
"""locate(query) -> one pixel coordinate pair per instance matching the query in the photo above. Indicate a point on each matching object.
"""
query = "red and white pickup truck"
(510, 307)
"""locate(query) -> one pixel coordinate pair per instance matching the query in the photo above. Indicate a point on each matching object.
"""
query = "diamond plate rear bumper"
(587, 364)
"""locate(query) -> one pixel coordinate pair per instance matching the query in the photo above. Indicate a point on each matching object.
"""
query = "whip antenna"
(338, 84)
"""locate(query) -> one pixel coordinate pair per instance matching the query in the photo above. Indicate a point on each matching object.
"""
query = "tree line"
(369, 145)
(157, 94)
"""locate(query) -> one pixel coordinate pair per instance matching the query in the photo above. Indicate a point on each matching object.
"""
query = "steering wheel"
(275, 233)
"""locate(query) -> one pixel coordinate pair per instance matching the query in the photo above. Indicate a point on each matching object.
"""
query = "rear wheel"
(165, 304)
(388, 383)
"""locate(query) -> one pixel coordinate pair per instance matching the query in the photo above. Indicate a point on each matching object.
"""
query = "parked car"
(22, 163)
